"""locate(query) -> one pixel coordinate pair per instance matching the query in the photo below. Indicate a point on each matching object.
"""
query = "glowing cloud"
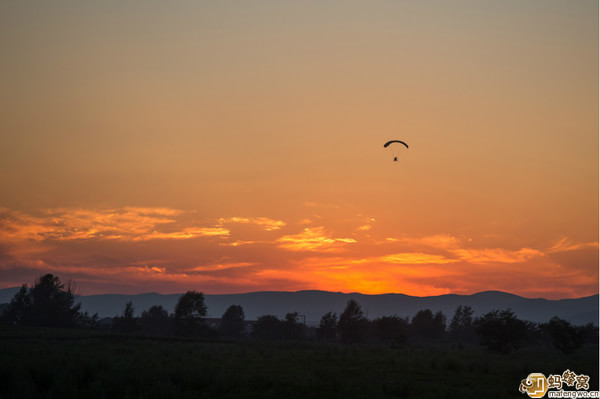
(264, 223)
(240, 242)
(416, 258)
(187, 233)
(439, 241)
(221, 266)
(313, 239)
(496, 255)
(458, 251)
(566, 245)
(125, 224)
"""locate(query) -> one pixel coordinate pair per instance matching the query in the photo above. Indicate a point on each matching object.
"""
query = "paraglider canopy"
(395, 141)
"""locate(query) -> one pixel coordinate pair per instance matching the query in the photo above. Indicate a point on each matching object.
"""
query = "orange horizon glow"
(294, 257)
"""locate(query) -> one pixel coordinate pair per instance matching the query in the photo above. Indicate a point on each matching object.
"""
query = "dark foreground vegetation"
(70, 354)
(43, 363)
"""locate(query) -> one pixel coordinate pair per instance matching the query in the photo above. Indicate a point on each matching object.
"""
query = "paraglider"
(394, 144)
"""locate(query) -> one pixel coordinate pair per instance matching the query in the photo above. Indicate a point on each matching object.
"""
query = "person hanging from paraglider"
(386, 145)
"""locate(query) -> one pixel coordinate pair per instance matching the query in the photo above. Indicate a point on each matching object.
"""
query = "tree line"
(51, 303)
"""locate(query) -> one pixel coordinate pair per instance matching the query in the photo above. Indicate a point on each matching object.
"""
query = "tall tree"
(292, 329)
(189, 313)
(191, 306)
(126, 323)
(232, 322)
(49, 303)
(461, 325)
(328, 326)
(19, 308)
(53, 302)
(352, 325)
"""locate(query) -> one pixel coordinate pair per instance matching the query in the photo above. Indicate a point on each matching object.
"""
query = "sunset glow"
(238, 148)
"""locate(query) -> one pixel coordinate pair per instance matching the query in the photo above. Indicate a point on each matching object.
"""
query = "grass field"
(42, 363)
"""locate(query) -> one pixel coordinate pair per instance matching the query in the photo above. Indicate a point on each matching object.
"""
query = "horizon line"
(330, 292)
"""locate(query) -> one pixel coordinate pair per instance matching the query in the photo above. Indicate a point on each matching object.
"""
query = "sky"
(235, 146)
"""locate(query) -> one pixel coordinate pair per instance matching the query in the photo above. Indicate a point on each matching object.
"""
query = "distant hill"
(314, 304)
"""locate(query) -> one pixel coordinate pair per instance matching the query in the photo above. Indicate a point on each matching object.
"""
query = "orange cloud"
(439, 241)
(458, 251)
(263, 222)
(221, 266)
(187, 233)
(496, 255)
(126, 224)
(566, 245)
(416, 258)
(313, 239)
(149, 269)
(240, 242)
(18, 226)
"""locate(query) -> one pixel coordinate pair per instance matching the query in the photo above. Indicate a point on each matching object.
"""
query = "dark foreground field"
(37, 363)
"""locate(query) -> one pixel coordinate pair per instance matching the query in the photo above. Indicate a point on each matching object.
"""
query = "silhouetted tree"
(391, 329)
(426, 325)
(328, 326)
(232, 322)
(53, 302)
(268, 327)
(564, 336)
(191, 306)
(155, 312)
(126, 322)
(49, 303)
(84, 320)
(292, 329)
(352, 325)
(155, 321)
(500, 330)
(189, 313)
(19, 308)
(461, 325)
(128, 311)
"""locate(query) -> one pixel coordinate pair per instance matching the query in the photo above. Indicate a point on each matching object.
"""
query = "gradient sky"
(236, 146)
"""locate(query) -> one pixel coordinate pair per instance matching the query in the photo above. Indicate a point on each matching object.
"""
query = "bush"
(564, 336)
(155, 321)
(426, 325)
(268, 327)
(391, 329)
(500, 330)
